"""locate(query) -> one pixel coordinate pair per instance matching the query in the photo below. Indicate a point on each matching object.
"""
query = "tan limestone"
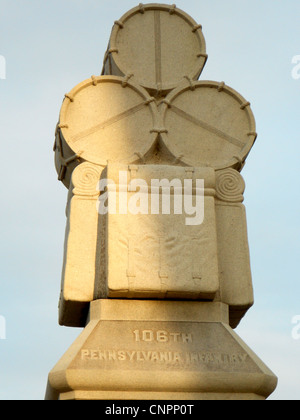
(136, 255)
(144, 256)
(159, 350)
(215, 121)
(157, 46)
(158, 289)
(104, 119)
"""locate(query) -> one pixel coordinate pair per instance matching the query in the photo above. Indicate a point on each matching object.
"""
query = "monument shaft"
(156, 260)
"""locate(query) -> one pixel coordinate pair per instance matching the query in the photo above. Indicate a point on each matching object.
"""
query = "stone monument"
(156, 261)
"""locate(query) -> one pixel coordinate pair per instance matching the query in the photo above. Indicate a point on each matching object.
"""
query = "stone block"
(154, 350)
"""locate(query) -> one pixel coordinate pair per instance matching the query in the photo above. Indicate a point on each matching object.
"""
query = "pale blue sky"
(52, 45)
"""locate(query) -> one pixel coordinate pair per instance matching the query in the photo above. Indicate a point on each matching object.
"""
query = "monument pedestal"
(159, 350)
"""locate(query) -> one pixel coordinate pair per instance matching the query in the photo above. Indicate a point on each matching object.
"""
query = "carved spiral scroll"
(85, 179)
(230, 186)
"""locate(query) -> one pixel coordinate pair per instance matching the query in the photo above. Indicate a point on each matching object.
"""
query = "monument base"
(159, 350)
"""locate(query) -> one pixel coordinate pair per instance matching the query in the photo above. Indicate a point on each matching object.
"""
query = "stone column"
(156, 260)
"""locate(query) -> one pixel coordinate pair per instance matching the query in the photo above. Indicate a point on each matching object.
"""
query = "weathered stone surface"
(128, 255)
(104, 119)
(157, 46)
(156, 260)
(208, 124)
(159, 350)
(144, 256)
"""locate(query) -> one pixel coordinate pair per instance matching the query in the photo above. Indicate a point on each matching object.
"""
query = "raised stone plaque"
(140, 249)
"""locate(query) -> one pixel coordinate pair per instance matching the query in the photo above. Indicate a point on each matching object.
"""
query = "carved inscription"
(164, 357)
(162, 336)
(173, 346)
(166, 346)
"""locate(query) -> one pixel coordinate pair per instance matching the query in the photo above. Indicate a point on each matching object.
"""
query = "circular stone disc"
(108, 119)
(208, 124)
(159, 45)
